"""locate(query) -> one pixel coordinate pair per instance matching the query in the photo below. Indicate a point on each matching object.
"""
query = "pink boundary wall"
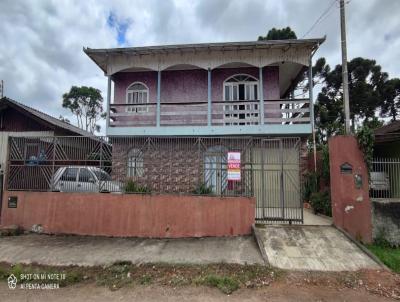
(351, 207)
(130, 215)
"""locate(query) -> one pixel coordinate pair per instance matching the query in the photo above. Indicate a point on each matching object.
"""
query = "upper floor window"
(137, 93)
(244, 89)
(241, 87)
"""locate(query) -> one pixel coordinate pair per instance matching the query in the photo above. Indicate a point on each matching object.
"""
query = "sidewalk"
(90, 251)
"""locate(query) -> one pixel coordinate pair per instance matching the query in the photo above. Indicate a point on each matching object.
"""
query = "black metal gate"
(277, 180)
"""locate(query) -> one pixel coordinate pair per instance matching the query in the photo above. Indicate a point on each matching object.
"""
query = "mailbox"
(12, 201)
(346, 168)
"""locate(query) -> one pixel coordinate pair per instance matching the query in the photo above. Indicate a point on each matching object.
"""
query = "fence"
(269, 168)
(385, 178)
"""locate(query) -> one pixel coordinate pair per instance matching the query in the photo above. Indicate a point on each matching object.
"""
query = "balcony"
(282, 116)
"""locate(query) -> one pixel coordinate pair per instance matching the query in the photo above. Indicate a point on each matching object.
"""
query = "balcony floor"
(268, 129)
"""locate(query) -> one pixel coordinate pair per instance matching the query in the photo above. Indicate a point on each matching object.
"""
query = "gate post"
(351, 206)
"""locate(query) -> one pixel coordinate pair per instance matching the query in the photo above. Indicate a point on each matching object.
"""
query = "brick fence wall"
(130, 215)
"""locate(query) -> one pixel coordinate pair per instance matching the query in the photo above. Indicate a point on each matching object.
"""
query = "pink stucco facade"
(191, 85)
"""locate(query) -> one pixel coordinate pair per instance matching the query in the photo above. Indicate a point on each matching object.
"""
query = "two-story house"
(177, 112)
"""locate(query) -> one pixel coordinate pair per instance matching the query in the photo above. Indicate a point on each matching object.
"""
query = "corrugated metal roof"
(49, 119)
(212, 46)
(100, 55)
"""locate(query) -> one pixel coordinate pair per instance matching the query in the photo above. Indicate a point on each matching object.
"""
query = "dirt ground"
(178, 283)
(278, 292)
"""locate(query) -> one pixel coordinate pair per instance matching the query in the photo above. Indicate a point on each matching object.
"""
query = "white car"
(379, 181)
(84, 179)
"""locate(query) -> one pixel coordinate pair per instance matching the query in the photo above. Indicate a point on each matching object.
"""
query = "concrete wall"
(386, 220)
(125, 215)
(351, 207)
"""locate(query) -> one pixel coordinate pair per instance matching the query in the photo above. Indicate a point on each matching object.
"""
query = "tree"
(86, 103)
(366, 85)
(391, 99)
(279, 34)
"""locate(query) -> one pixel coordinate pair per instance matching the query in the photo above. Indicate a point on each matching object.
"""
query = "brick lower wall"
(130, 215)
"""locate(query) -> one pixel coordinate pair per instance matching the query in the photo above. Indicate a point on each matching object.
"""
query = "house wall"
(191, 85)
(130, 215)
(15, 121)
(390, 149)
(174, 164)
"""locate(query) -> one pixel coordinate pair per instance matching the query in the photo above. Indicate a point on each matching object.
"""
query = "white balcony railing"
(223, 113)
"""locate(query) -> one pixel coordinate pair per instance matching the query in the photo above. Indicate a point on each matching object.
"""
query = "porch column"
(261, 95)
(209, 104)
(158, 98)
(108, 102)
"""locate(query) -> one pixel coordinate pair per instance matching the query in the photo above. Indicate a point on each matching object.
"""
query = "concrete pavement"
(314, 248)
(90, 251)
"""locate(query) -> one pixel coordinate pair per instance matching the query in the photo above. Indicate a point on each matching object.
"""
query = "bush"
(311, 185)
(203, 189)
(321, 203)
(132, 187)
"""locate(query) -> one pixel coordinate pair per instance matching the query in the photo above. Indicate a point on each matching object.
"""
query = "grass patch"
(388, 255)
(226, 277)
(224, 283)
(72, 274)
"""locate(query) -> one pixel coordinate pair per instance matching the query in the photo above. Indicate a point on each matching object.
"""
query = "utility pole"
(1, 88)
(345, 77)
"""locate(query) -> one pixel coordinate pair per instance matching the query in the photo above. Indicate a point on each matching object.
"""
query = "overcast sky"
(41, 42)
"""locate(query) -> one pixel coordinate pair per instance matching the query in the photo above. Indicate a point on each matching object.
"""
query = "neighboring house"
(177, 110)
(19, 120)
(387, 140)
(386, 164)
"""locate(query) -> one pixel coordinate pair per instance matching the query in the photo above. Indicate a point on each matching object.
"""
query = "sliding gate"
(276, 179)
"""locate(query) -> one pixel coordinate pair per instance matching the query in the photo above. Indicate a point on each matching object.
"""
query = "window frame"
(138, 170)
(137, 109)
(246, 83)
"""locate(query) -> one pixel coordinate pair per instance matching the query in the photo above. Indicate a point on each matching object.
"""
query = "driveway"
(314, 248)
(90, 251)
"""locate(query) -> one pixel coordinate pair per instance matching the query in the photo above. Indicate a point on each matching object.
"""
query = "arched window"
(243, 90)
(137, 93)
(135, 163)
(241, 87)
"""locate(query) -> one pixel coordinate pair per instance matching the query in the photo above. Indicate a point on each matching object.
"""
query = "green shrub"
(321, 203)
(311, 185)
(203, 189)
(132, 187)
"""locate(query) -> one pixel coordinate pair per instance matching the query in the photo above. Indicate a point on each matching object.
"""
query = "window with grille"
(137, 94)
(135, 163)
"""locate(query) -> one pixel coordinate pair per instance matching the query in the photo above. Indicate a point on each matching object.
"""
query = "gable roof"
(5, 101)
(388, 133)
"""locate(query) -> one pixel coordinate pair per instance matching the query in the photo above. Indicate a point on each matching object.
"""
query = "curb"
(260, 244)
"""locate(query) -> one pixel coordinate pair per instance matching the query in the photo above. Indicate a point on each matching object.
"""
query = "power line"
(320, 18)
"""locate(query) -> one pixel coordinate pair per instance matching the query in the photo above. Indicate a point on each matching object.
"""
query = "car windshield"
(102, 175)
